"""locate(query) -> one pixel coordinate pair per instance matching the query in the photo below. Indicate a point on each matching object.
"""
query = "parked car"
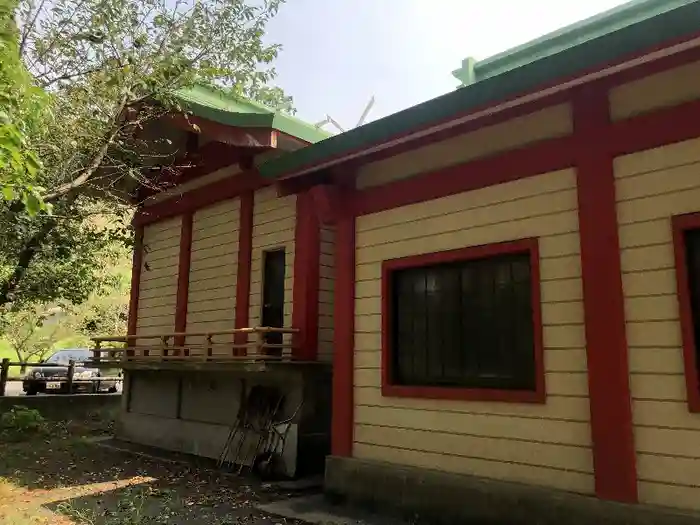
(54, 379)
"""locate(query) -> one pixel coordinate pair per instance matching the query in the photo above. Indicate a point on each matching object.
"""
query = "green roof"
(625, 31)
(565, 38)
(212, 104)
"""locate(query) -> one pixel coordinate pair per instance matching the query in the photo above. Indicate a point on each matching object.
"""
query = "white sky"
(338, 53)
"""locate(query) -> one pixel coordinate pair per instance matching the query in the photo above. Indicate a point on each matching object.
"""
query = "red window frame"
(538, 395)
(681, 224)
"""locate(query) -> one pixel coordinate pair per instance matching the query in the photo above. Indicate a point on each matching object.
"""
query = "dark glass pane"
(692, 247)
(273, 293)
(465, 324)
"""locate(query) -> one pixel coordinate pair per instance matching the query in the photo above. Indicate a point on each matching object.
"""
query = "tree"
(20, 109)
(109, 68)
(32, 333)
(35, 330)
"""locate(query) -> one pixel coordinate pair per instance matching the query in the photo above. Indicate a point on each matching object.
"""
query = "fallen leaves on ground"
(69, 481)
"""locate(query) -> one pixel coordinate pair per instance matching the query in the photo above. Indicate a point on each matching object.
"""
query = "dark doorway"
(273, 293)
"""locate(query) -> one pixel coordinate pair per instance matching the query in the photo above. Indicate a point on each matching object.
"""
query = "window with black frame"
(466, 324)
(692, 252)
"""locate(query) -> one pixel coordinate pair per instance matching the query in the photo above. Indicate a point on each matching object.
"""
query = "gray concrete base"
(451, 499)
(193, 412)
(60, 407)
(316, 509)
(189, 437)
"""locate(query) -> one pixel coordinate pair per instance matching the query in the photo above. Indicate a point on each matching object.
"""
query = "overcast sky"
(338, 53)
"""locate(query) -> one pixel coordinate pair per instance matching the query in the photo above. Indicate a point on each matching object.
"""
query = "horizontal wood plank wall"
(325, 294)
(158, 287)
(274, 221)
(213, 269)
(662, 90)
(546, 444)
(652, 186)
(548, 123)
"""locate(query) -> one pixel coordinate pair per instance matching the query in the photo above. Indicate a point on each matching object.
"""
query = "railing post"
(71, 372)
(4, 374)
(96, 354)
(260, 342)
(164, 346)
(130, 342)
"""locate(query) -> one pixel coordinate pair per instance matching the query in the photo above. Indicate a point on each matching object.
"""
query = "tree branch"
(66, 76)
(90, 169)
(31, 247)
(29, 28)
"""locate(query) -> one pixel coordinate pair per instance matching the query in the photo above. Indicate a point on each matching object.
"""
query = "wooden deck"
(243, 348)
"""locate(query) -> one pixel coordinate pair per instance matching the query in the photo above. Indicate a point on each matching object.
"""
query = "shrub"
(20, 422)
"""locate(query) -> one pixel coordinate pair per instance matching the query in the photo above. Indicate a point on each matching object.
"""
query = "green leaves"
(21, 102)
(83, 90)
(33, 204)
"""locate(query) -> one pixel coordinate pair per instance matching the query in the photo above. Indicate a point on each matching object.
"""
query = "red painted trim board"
(245, 254)
(342, 421)
(606, 341)
(651, 130)
(136, 266)
(242, 137)
(549, 155)
(612, 80)
(681, 224)
(307, 261)
(197, 198)
(183, 278)
(529, 246)
(654, 129)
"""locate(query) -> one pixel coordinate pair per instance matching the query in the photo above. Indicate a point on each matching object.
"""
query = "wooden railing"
(242, 344)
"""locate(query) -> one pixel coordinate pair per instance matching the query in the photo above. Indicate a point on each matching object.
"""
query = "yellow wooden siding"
(158, 285)
(211, 304)
(326, 294)
(651, 187)
(548, 123)
(223, 173)
(664, 89)
(545, 444)
(274, 221)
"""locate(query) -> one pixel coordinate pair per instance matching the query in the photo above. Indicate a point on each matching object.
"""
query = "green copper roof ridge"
(249, 113)
(194, 94)
(625, 43)
(577, 33)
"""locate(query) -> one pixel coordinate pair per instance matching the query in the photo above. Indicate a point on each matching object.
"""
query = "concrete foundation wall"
(193, 412)
(64, 407)
(452, 499)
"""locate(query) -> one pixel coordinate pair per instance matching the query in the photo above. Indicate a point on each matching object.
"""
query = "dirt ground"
(60, 476)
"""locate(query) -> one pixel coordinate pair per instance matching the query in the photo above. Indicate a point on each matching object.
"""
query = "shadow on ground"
(61, 476)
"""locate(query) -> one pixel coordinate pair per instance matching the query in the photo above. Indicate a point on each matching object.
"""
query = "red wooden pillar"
(136, 266)
(245, 253)
(342, 423)
(606, 342)
(183, 278)
(307, 261)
